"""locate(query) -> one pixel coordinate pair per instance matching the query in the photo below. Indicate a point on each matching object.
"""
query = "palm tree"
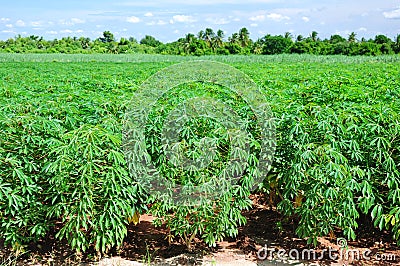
(314, 36)
(234, 38)
(189, 38)
(352, 37)
(219, 38)
(209, 35)
(200, 35)
(243, 37)
(257, 48)
(299, 38)
(85, 42)
(288, 35)
(397, 45)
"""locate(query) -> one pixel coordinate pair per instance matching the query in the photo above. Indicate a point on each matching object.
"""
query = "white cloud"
(305, 19)
(362, 29)
(52, 32)
(277, 17)
(4, 19)
(182, 19)
(9, 25)
(36, 23)
(79, 31)
(176, 31)
(196, 3)
(77, 21)
(7, 31)
(66, 31)
(257, 18)
(133, 19)
(160, 22)
(394, 14)
(253, 25)
(217, 21)
(71, 22)
(148, 14)
(343, 32)
(292, 11)
(20, 23)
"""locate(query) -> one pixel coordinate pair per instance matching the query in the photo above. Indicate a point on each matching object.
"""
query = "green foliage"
(275, 44)
(61, 167)
(150, 41)
(210, 219)
(338, 151)
(207, 42)
(61, 164)
(108, 37)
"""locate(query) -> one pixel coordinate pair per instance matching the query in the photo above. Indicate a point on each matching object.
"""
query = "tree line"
(208, 42)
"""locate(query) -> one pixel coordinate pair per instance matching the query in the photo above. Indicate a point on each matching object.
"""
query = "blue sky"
(170, 19)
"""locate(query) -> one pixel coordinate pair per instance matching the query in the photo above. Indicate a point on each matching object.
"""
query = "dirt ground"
(258, 243)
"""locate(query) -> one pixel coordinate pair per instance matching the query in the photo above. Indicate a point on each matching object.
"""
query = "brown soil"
(146, 242)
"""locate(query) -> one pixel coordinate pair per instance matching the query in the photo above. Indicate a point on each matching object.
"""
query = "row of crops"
(62, 167)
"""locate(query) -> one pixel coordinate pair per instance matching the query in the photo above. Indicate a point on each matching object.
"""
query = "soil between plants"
(147, 244)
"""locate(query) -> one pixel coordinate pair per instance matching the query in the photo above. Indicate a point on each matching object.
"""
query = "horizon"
(170, 20)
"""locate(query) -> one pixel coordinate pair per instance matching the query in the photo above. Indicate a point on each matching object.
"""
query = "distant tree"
(336, 38)
(219, 38)
(199, 47)
(300, 47)
(107, 37)
(150, 41)
(341, 48)
(386, 48)
(33, 37)
(208, 42)
(244, 37)
(234, 48)
(299, 38)
(209, 36)
(314, 36)
(234, 39)
(352, 37)
(188, 43)
(275, 44)
(288, 35)
(381, 39)
(85, 42)
(123, 41)
(397, 44)
(368, 48)
(132, 40)
(200, 35)
(257, 47)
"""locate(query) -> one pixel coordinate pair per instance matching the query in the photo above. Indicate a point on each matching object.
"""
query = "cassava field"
(65, 186)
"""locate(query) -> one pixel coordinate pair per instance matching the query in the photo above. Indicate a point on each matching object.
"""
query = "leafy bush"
(61, 163)
(214, 218)
(338, 154)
